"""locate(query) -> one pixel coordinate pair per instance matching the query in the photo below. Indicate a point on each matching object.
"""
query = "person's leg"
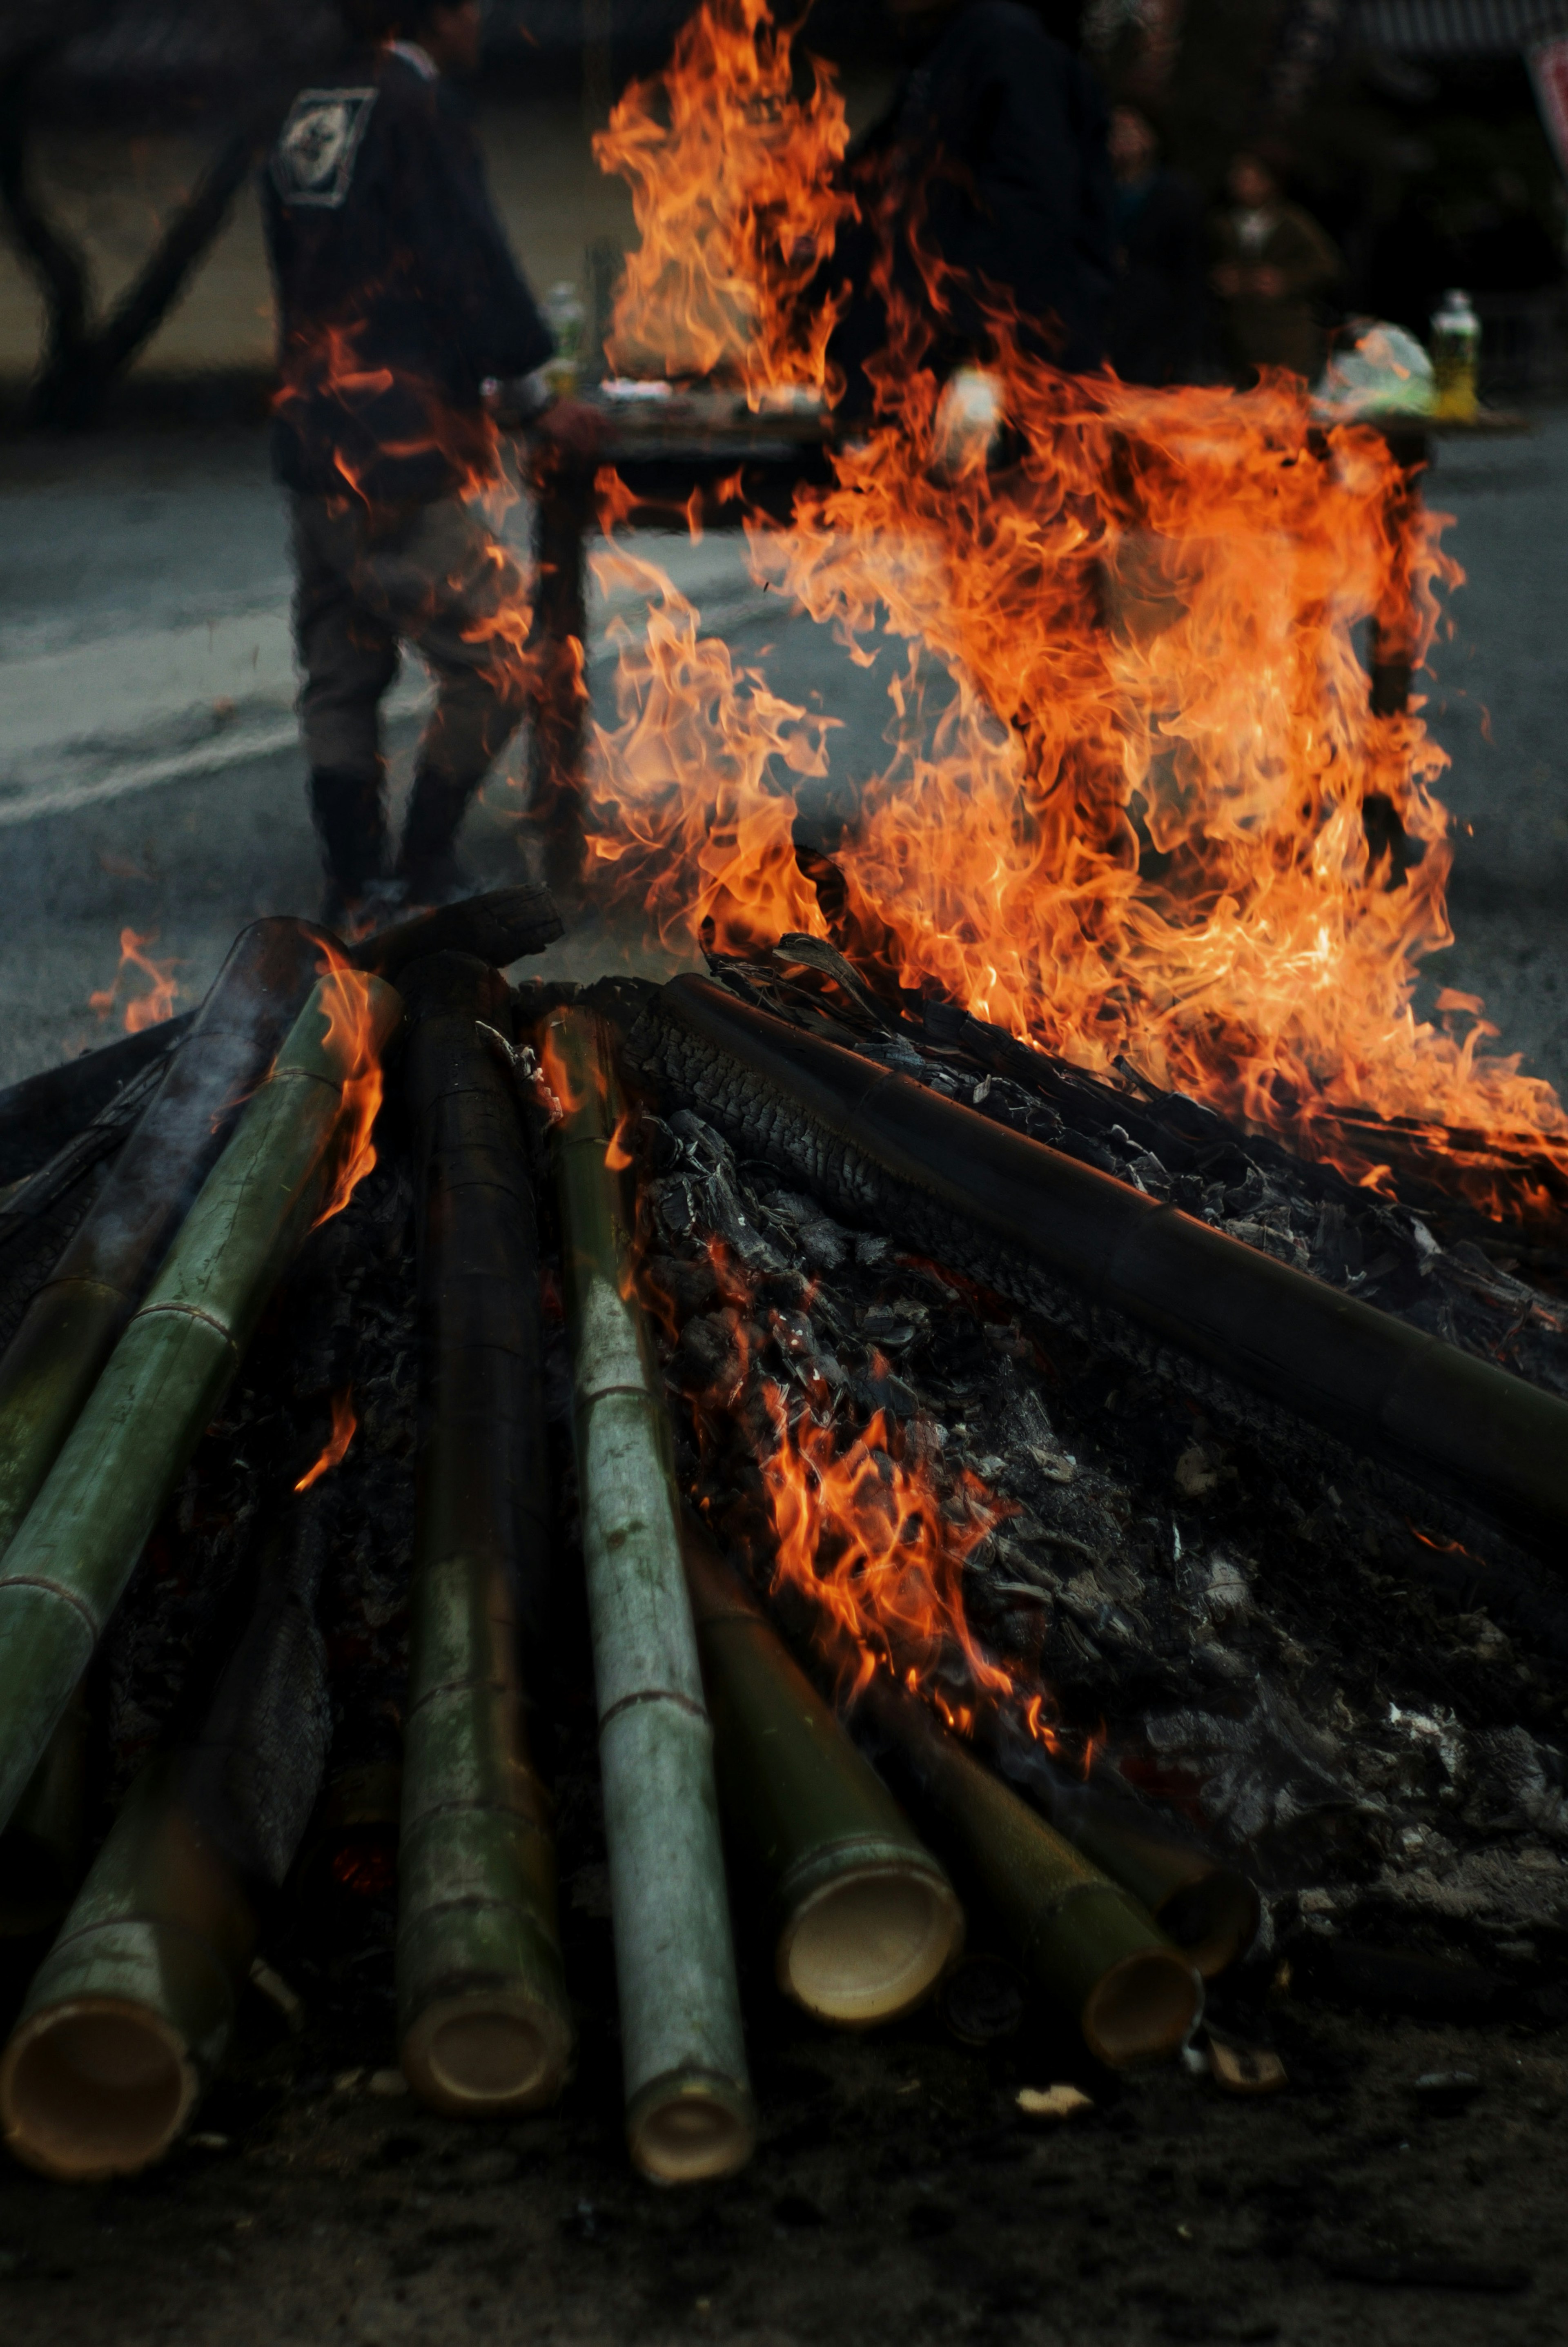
(450, 587)
(348, 658)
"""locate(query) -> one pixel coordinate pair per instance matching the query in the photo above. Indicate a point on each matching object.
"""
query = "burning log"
(483, 2021)
(1030, 1221)
(131, 2010)
(865, 1920)
(1084, 1942)
(689, 2110)
(494, 928)
(72, 1324)
(70, 1560)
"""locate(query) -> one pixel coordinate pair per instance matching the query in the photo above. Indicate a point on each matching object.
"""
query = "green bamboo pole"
(130, 2012)
(1079, 1938)
(689, 2111)
(66, 1569)
(865, 1919)
(1209, 1911)
(70, 1327)
(43, 1849)
(484, 2020)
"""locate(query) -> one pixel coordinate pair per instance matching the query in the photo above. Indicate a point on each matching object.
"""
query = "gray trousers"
(433, 576)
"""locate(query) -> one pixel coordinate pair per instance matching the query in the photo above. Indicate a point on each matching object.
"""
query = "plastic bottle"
(565, 317)
(1456, 355)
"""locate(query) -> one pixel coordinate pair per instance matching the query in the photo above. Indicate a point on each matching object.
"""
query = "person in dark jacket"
(992, 162)
(1160, 306)
(399, 300)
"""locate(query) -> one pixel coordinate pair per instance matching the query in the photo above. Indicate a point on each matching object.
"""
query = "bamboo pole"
(1028, 1219)
(129, 2015)
(689, 2110)
(43, 1849)
(495, 928)
(69, 1329)
(67, 1566)
(864, 1918)
(1083, 1941)
(484, 2020)
(1210, 1911)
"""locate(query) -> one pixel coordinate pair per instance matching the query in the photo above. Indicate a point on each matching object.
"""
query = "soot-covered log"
(68, 1563)
(483, 2021)
(1027, 1220)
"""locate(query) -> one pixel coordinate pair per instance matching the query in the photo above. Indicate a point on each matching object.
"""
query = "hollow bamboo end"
(487, 2053)
(870, 1945)
(1213, 1920)
(95, 2087)
(690, 2127)
(1143, 2009)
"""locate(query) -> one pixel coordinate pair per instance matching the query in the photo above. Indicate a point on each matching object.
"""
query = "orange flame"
(344, 1423)
(141, 1010)
(1138, 808)
(732, 179)
(345, 998)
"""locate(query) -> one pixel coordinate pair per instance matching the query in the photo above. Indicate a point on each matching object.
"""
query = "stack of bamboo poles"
(714, 1746)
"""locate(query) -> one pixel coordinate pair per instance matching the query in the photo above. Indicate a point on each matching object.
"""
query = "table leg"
(563, 513)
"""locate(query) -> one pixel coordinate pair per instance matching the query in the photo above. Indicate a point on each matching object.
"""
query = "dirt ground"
(896, 2193)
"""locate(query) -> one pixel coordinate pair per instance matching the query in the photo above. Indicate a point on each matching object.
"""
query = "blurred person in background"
(1272, 267)
(993, 159)
(401, 309)
(1160, 308)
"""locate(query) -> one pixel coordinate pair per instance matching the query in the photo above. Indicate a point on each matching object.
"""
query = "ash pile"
(867, 1510)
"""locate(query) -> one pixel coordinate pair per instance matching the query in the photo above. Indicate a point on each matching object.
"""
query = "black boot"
(427, 864)
(350, 822)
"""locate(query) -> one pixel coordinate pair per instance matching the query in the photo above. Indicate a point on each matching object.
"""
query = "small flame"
(141, 1010)
(617, 1157)
(345, 1421)
(345, 998)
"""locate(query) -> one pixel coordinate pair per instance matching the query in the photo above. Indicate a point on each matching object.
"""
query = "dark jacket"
(993, 157)
(1159, 311)
(397, 293)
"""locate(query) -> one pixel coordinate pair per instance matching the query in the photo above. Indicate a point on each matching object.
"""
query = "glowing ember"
(344, 1423)
(731, 187)
(1137, 808)
(141, 1010)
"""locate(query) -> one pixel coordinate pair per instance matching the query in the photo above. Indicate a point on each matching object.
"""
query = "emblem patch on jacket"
(312, 162)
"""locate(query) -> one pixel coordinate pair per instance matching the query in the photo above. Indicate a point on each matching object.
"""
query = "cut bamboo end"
(487, 2053)
(1214, 1920)
(870, 1944)
(95, 2087)
(1142, 2010)
(690, 2127)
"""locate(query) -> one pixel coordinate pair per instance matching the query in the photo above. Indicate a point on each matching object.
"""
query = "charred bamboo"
(71, 1326)
(484, 2019)
(865, 1921)
(1033, 1223)
(67, 1566)
(131, 2010)
(495, 928)
(689, 2109)
(1083, 1942)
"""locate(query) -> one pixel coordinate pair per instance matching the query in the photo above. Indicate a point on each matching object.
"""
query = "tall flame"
(1137, 806)
(732, 178)
(141, 1010)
